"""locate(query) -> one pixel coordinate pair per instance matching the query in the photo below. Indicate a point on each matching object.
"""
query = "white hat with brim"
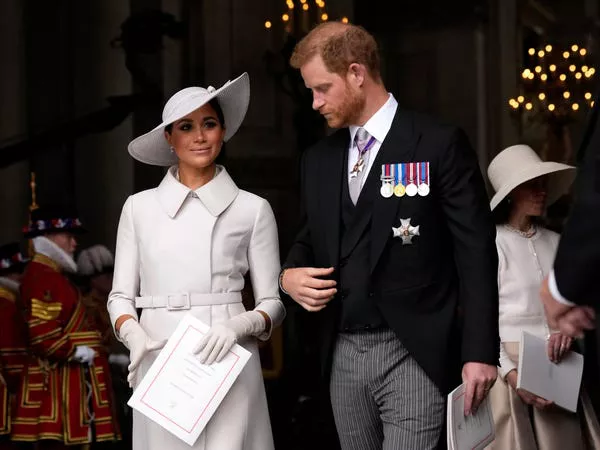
(233, 97)
(518, 164)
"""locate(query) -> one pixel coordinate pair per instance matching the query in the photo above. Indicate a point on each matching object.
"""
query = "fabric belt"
(186, 300)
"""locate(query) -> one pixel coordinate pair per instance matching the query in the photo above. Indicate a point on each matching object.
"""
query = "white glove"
(119, 359)
(84, 354)
(139, 344)
(94, 260)
(215, 344)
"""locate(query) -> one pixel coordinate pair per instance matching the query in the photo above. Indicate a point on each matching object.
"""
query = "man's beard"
(349, 110)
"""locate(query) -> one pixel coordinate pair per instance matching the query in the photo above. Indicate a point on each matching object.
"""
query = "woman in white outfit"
(524, 186)
(184, 247)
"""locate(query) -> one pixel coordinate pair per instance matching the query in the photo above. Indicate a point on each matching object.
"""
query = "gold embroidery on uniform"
(45, 310)
(8, 295)
(57, 344)
(45, 336)
(43, 259)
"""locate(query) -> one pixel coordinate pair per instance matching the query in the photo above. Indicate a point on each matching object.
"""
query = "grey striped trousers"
(381, 398)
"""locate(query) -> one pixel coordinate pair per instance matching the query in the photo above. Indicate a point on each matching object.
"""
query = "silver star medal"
(406, 231)
(358, 167)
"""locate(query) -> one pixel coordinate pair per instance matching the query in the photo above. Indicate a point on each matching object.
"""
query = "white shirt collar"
(380, 123)
(216, 195)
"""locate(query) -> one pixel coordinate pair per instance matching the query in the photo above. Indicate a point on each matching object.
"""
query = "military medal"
(405, 231)
(399, 189)
(387, 189)
(360, 163)
(358, 167)
(423, 177)
(411, 187)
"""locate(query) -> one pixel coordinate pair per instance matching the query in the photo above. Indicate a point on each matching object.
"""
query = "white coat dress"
(172, 241)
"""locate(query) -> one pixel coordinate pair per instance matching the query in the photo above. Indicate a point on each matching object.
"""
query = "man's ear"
(357, 73)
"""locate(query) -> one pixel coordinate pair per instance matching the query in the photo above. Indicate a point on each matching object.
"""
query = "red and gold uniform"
(13, 354)
(53, 398)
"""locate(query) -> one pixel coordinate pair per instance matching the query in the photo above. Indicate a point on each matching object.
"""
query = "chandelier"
(556, 83)
(300, 16)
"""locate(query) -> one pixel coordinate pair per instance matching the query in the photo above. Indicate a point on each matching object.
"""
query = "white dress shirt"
(377, 126)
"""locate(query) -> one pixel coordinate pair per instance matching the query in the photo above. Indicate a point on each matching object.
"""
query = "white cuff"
(506, 366)
(555, 292)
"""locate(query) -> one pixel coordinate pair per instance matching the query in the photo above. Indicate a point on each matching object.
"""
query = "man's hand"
(558, 346)
(479, 379)
(575, 321)
(308, 288)
(572, 321)
(527, 397)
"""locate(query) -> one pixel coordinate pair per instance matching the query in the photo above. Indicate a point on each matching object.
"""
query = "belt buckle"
(185, 304)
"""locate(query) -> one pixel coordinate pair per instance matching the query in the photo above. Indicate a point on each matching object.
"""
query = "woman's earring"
(172, 149)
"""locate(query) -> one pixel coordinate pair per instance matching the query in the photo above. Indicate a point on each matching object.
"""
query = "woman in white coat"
(184, 247)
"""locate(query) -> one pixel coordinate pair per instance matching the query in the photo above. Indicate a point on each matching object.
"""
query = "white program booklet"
(473, 432)
(178, 392)
(559, 383)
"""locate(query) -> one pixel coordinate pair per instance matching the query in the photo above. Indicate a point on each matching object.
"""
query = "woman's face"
(529, 198)
(197, 138)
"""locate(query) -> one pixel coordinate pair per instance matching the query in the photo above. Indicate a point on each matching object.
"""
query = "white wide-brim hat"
(518, 164)
(233, 97)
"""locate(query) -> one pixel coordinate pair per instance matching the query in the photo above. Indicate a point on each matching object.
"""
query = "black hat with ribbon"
(11, 258)
(53, 219)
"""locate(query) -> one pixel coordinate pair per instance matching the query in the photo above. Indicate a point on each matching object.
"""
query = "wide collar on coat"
(216, 195)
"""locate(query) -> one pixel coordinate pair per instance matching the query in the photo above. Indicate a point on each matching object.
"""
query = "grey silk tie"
(355, 184)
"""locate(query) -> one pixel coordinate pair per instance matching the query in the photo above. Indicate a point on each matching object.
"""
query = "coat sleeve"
(301, 252)
(48, 316)
(578, 255)
(465, 204)
(264, 266)
(126, 277)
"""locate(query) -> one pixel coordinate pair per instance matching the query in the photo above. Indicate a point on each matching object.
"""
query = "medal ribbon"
(361, 152)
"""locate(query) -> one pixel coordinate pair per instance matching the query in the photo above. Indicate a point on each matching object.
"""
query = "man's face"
(334, 96)
(66, 241)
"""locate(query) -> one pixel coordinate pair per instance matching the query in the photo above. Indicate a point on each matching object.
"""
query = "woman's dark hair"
(221, 118)
(216, 106)
(501, 213)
